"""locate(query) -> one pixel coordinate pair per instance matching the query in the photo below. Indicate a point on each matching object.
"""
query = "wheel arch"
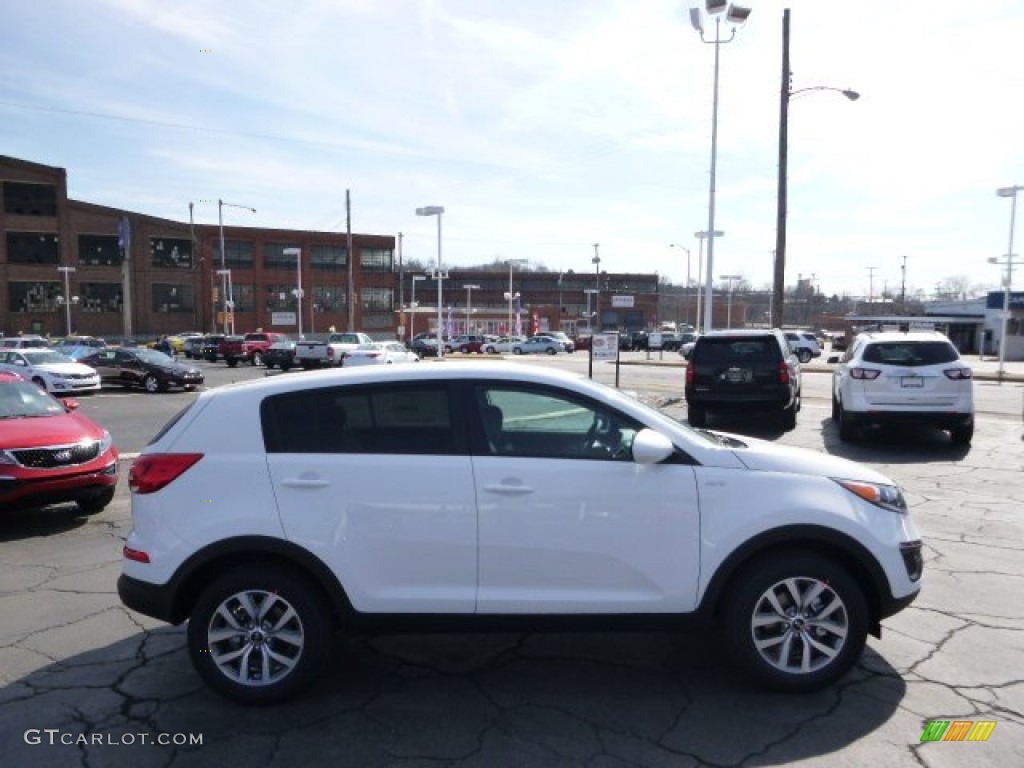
(826, 542)
(212, 561)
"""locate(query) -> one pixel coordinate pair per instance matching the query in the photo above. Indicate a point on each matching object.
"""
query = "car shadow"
(509, 699)
(902, 444)
(762, 425)
(37, 522)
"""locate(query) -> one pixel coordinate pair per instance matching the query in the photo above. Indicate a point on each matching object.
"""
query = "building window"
(173, 298)
(329, 298)
(279, 297)
(35, 296)
(33, 248)
(244, 297)
(327, 257)
(238, 253)
(99, 250)
(101, 297)
(374, 299)
(23, 199)
(274, 256)
(376, 259)
(170, 252)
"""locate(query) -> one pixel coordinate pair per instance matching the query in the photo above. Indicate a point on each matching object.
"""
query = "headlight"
(886, 496)
(105, 442)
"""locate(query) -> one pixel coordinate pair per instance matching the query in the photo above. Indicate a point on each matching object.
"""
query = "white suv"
(894, 377)
(804, 344)
(528, 496)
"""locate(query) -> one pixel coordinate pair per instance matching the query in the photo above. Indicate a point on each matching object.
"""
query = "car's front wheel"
(259, 634)
(796, 621)
(151, 383)
(804, 356)
(552, 351)
(257, 358)
(517, 350)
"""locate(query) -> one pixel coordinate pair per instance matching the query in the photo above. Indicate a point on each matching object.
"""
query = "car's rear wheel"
(257, 358)
(804, 356)
(789, 416)
(552, 351)
(962, 435)
(796, 621)
(848, 430)
(232, 362)
(151, 383)
(517, 351)
(835, 407)
(259, 634)
(97, 503)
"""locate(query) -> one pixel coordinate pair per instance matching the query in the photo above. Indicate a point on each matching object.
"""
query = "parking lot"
(85, 682)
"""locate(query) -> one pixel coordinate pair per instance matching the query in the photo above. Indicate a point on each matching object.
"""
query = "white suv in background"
(892, 377)
(804, 344)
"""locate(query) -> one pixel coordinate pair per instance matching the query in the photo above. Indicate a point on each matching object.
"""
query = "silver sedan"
(379, 353)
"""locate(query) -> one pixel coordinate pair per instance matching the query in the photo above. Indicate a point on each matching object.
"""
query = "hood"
(58, 429)
(765, 456)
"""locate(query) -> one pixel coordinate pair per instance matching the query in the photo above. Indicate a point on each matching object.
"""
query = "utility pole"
(903, 287)
(351, 258)
(871, 284)
(778, 303)
(401, 287)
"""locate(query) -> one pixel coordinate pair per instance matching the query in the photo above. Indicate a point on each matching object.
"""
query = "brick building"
(112, 273)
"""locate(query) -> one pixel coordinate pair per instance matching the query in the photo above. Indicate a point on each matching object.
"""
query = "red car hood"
(58, 429)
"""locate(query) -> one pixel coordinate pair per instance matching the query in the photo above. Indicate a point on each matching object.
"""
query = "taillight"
(864, 373)
(151, 472)
(330, 352)
(958, 373)
(783, 373)
(691, 373)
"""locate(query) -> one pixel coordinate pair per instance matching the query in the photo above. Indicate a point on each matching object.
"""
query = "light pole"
(229, 304)
(469, 304)
(297, 253)
(730, 278)
(596, 261)
(413, 305)
(687, 292)
(590, 315)
(735, 15)
(1010, 192)
(225, 286)
(509, 295)
(68, 300)
(786, 94)
(439, 274)
(702, 236)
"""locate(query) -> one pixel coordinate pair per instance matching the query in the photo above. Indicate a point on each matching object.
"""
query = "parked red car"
(255, 345)
(49, 454)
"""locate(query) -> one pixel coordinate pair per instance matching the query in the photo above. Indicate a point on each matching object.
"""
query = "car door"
(376, 481)
(569, 523)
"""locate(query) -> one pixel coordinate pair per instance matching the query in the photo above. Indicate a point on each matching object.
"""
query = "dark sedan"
(137, 366)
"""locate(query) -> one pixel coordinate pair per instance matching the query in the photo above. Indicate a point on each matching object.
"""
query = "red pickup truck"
(254, 346)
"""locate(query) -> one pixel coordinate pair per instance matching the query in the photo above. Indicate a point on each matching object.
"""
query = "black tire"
(232, 362)
(835, 408)
(492, 351)
(97, 503)
(257, 358)
(828, 643)
(304, 639)
(962, 435)
(517, 351)
(552, 351)
(286, 366)
(697, 416)
(804, 356)
(848, 430)
(789, 417)
(152, 384)
(270, 365)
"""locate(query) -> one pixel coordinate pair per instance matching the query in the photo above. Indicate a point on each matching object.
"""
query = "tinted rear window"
(733, 349)
(910, 353)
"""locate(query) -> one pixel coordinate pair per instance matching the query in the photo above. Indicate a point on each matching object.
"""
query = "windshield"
(23, 398)
(152, 356)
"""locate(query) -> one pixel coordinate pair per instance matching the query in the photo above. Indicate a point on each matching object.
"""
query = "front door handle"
(304, 482)
(512, 490)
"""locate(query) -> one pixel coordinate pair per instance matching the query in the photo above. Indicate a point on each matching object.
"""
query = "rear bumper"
(941, 419)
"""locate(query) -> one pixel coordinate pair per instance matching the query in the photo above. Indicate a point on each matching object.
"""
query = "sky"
(543, 128)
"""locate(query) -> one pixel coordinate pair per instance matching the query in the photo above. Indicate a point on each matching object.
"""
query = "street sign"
(605, 346)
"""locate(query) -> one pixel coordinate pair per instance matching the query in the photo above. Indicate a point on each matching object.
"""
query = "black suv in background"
(730, 371)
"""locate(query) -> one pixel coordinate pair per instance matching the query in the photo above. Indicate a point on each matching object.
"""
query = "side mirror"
(650, 447)
(70, 405)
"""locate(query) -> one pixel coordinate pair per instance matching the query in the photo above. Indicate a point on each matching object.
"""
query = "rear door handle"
(511, 490)
(304, 482)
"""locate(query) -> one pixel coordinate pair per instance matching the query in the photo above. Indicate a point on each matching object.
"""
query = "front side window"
(399, 419)
(542, 423)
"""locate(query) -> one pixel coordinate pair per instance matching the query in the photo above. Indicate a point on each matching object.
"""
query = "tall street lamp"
(686, 295)
(69, 300)
(701, 237)
(226, 298)
(439, 274)
(1010, 192)
(413, 305)
(469, 304)
(297, 253)
(735, 15)
(596, 261)
(731, 279)
(509, 295)
(786, 94)
(229, 304)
